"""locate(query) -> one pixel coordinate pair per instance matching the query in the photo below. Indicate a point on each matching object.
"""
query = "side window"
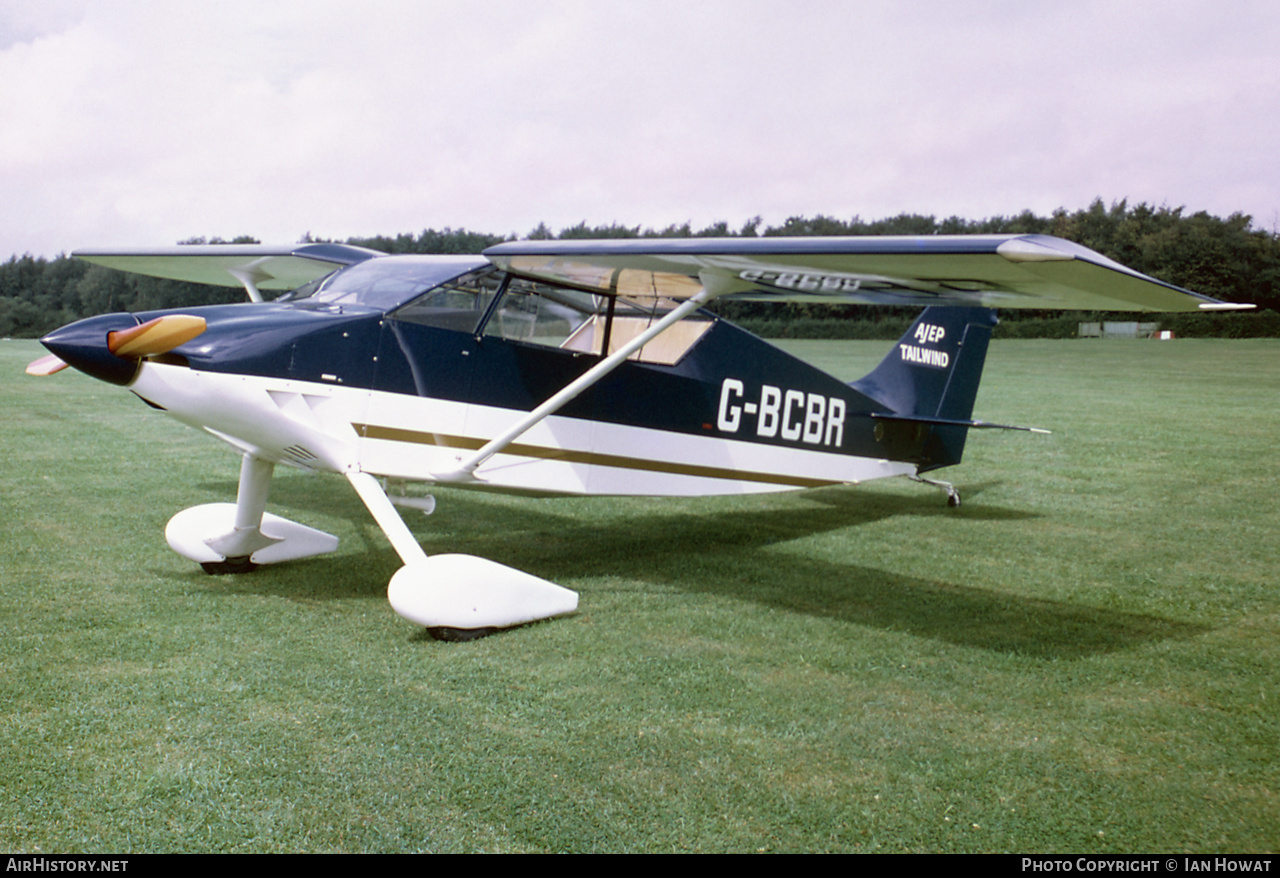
(538, 313)
(457, 305)
(541, 314)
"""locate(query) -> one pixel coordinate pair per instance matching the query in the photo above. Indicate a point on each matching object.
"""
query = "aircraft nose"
(111, 346)
(83, 344)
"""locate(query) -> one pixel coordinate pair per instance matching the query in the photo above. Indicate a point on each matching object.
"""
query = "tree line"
(1225, 258)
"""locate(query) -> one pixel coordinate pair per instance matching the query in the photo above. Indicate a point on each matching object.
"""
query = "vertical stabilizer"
(931, 376)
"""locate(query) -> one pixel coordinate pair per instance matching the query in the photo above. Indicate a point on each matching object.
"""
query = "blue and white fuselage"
(409, 393)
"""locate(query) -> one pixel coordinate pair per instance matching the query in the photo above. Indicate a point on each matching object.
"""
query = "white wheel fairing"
(464, 591)
(190, 532)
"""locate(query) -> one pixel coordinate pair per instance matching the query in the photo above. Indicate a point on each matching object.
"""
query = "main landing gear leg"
(246, 536)
(953, 496)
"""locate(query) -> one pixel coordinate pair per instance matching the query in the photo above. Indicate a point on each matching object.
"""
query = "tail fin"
(929, 382)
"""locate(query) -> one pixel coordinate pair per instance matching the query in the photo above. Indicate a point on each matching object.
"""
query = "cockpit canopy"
(383, 283)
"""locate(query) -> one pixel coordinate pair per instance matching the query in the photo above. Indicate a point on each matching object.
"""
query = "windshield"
(383, 282)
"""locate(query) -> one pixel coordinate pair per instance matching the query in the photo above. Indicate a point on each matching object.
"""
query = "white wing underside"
(265, 266)
(993, 271)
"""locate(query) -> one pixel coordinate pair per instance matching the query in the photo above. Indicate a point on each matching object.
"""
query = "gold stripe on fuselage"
(395, 434)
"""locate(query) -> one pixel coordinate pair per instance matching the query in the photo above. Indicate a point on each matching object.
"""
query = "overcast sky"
(144, 122)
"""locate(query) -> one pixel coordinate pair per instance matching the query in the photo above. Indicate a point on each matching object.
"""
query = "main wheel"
(230, 565)
(459, 635)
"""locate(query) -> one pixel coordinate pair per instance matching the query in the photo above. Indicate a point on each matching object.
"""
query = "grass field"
(1085, 657)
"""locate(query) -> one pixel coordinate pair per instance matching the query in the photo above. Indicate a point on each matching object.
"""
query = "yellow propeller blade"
(46, 365)
(155, 336)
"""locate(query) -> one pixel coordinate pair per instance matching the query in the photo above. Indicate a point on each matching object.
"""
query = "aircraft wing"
(265, 266)
(990, 271)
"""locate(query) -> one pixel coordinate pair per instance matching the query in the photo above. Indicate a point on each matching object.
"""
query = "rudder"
(931, 377)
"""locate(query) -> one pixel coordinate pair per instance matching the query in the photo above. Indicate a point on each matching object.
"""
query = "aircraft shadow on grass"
(724, 553)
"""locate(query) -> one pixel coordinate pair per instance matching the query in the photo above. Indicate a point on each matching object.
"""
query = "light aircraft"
(561, 368)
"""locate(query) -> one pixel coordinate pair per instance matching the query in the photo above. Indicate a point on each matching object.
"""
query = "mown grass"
(1082, 658)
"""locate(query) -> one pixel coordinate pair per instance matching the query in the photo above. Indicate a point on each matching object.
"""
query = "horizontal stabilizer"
(951, 422)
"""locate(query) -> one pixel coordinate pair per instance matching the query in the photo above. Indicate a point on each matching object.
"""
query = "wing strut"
(466, 471)
(379, 506)
(249, 281)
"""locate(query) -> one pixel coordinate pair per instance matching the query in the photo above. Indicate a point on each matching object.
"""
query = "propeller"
(156, 336)
(79, 345)
(47, 365)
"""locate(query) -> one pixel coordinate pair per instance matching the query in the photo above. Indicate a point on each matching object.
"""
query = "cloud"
(131, 121)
